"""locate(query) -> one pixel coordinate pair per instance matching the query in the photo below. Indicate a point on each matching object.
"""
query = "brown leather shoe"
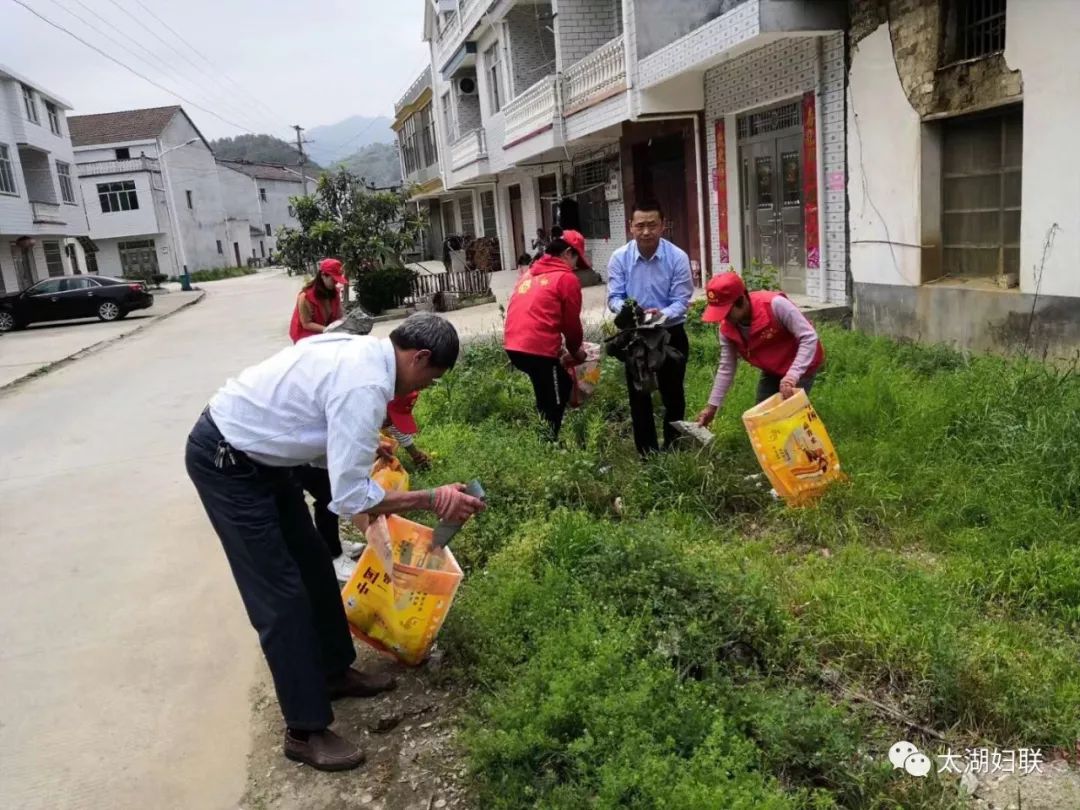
(359, 684)
(325, 751)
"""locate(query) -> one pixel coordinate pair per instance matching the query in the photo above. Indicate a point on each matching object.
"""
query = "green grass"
(699, 647)
(219, 273)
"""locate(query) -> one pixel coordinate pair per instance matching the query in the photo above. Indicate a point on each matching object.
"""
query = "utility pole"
(303, 159)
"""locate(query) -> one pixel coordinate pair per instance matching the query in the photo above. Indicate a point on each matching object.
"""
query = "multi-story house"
(414, 123)
(155, 197)
(730, 113)
(257, 198)
(43, 230)
(964, 208)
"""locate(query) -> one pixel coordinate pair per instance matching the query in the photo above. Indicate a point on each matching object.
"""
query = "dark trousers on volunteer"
(551, 385)
(316, 482)
(671, 381)
(769, 385)
(282, 568)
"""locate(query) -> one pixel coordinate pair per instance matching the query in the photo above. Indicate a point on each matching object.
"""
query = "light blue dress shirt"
(662, 282)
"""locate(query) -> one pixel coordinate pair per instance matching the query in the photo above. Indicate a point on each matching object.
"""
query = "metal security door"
(771, 180)
(138, 259)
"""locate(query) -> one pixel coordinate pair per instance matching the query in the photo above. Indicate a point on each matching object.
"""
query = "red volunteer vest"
(297, 331)
(771, 347)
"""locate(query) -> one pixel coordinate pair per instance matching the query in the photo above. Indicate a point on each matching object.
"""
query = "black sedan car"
(66, 297)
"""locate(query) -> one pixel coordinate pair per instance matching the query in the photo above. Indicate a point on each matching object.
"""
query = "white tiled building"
(43, 226)
(565, 111)
(155, 200)
(257, 204)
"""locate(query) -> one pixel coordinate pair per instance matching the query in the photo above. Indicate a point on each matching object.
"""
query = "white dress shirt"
(321, 401)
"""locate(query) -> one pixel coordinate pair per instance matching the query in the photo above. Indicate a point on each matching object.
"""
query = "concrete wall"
(975, 319)
(660, 24)
(890, 92)
(582, 26)
(783, 71)
(193, 168)
(532, 45)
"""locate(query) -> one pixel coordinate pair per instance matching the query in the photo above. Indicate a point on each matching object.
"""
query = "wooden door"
(517, 223)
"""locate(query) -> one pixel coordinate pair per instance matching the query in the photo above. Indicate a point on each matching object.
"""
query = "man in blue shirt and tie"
(656, 274)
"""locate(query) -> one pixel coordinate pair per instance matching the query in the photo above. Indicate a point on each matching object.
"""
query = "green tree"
(367, 230)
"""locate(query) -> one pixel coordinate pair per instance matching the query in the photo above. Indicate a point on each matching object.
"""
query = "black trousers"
(282, 569)
(769, 385)
(551, 385)
(316, 482)
(670, 380)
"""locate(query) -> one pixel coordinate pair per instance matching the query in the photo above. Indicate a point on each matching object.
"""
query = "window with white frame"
(429, 154)
(30, 105)
(67, 188)
(7, 171)
(116, 197)
(493, 65)
(590, 180)
(54, 117)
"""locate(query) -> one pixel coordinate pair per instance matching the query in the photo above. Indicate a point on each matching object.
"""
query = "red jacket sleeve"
(570, 290)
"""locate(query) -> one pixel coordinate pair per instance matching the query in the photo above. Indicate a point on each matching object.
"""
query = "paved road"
(125, 655)
(31, 349)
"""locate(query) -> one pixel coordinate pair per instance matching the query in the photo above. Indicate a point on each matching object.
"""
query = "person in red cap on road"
(543, 334)
(319, 304)
(767, 331)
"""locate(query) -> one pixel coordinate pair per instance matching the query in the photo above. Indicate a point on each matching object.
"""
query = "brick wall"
(775, 72)
(915, 27)
(532, 45)
(468, 114)
(585, 25)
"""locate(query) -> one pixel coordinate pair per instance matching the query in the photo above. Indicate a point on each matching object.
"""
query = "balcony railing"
(422, 82)
(600, 72)
(532, 112)
(99, 167)
(467, 149)
(47, 213)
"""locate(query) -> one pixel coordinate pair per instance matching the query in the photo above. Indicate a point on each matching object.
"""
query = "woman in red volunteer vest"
(543, 314)
(766, 330)
(319, 304)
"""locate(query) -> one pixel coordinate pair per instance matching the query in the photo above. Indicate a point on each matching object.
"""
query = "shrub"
(383, 288)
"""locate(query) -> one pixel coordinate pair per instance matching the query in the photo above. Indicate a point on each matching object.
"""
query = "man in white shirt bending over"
(321, 401)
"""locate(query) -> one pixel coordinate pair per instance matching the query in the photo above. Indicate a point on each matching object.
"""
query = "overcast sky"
(307, 63)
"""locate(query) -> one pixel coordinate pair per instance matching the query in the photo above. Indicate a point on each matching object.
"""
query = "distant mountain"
(377, 163)
(260, 148)
(335, 142)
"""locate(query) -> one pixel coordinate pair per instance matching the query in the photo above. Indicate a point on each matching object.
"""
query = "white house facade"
(155, 198)
(257, 198)
(43, 227)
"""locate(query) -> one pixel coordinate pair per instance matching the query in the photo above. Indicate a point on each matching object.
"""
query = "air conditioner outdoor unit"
(466, 86)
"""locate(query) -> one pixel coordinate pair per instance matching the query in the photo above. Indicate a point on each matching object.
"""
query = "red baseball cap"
(577, 242)
(721, 292)
(332, 268)
(399, 411)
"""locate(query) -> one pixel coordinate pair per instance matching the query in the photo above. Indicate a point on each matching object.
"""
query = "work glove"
(450, 503)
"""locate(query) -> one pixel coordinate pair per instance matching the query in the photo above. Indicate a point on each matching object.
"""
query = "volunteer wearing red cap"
(319, 304)
(401, 424)
(767, 331)
(543, 314)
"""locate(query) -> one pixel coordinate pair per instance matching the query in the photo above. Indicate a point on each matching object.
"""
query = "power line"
(130, 69)
(205, 58)
(138, 21)
(156, 64)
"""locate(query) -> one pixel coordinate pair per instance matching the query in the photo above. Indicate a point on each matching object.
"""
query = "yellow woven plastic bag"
(389, 473)
(793, 447)
(401, 590)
